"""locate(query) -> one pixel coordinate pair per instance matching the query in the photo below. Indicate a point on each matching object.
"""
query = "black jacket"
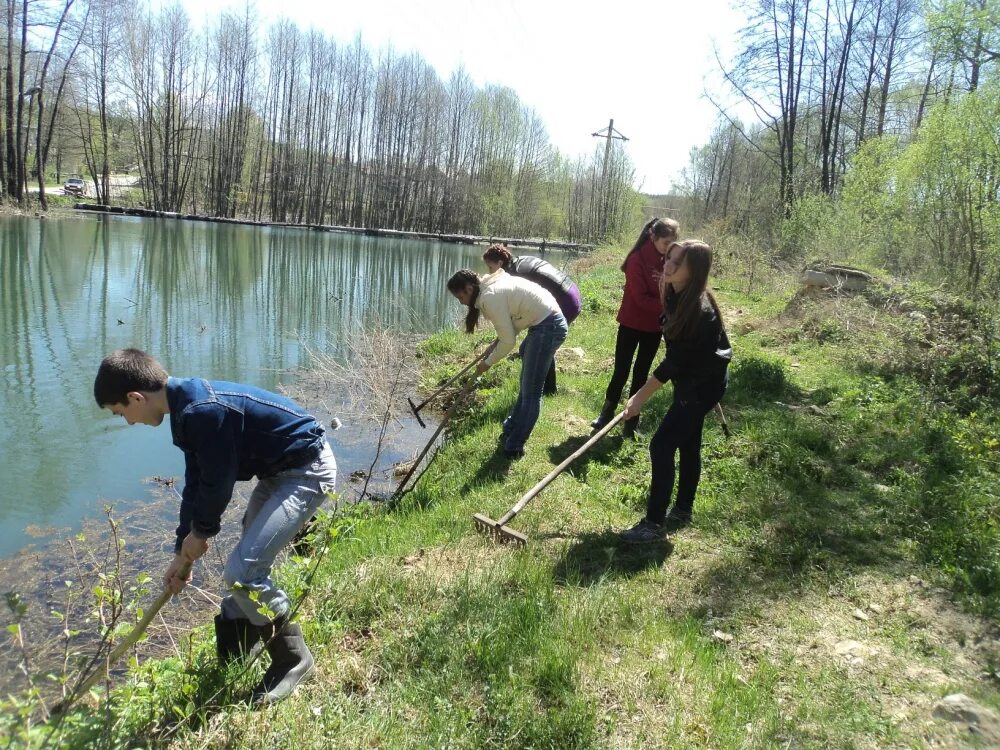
(541, 272)
(697, 363)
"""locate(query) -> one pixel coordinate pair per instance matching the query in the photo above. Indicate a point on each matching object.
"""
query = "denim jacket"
(231, 432)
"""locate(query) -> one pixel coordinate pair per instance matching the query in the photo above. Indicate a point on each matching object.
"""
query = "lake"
(224, 302)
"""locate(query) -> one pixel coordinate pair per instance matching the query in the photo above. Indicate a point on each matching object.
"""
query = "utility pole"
(609, 133)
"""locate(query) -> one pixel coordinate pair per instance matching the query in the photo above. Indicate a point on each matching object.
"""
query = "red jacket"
(641, 307)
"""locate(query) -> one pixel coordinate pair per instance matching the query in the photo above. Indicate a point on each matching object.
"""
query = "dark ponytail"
(654, 228)
(458, 282)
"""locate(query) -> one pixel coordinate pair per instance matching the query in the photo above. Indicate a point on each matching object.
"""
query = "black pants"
(626, 343)
(679, 432)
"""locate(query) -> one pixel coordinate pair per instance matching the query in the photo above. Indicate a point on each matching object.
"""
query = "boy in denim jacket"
(231, 432)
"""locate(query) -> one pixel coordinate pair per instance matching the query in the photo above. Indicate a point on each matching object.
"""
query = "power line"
(609, 134)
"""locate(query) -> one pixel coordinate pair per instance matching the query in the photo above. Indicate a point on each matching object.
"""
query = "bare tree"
(44, 135)
(768, 75)
(235, 70)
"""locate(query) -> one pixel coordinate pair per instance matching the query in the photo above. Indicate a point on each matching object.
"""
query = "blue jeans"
(278, 509)
(537, 353)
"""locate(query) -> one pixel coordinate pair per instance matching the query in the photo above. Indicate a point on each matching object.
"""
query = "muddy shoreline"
(54, 578)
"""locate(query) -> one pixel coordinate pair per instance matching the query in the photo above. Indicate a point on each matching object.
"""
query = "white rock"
(850, 648)
(835, 277)
(959, 708)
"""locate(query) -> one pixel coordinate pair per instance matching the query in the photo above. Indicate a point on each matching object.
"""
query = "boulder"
(960, 709)
(841, 278)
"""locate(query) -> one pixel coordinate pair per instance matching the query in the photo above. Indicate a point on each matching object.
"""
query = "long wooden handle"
(444, 421)
(130, 640)
(530, 494)
(455, 377)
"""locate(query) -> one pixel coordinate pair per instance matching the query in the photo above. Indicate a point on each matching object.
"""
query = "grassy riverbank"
(841, 575)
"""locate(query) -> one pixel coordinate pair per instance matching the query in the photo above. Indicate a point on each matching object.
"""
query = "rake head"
(413, 408)
(503, 534)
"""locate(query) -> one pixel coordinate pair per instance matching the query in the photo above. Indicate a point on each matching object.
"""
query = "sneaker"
(644, 532)
(677, 519)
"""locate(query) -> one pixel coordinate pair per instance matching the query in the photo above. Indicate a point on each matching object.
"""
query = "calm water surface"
(224, 302)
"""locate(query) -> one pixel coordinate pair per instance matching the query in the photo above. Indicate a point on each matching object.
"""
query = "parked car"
(75, 186)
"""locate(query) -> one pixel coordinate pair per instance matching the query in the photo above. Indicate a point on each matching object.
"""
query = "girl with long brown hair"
(638, 317)
(697, 361)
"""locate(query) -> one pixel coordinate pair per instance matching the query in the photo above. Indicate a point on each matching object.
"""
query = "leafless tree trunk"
(44, 138)
(12, 185)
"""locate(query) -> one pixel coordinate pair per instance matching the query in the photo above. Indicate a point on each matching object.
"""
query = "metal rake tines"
(495, 529)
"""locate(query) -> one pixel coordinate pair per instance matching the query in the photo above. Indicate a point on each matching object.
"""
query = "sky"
(643, 63)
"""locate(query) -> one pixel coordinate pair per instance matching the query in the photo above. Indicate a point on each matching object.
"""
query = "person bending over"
(512, 305)
(546, 275)
(231, 432)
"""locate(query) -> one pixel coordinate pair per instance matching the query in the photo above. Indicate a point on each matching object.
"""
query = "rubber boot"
(631, 425)
(234, 639)
(606, 415)
(291, 662)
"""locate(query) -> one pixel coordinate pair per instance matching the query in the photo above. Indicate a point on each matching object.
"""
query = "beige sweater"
(512, 304)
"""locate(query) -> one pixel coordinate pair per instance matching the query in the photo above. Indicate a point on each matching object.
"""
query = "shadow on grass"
(816, 499)
(494, 469)
(602, 451)
(600, 555)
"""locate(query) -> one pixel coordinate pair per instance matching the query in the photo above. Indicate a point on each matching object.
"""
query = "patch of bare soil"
(899, 639)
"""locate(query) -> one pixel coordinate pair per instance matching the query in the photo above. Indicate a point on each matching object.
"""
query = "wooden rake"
(498, 530)
(459, 400)
(415, 408)
(130, 640)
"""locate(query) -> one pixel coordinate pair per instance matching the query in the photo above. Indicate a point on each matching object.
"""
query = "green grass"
(851, 484)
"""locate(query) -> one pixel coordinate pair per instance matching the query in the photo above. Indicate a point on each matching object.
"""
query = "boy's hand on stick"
(172, 579)
(178, 574)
